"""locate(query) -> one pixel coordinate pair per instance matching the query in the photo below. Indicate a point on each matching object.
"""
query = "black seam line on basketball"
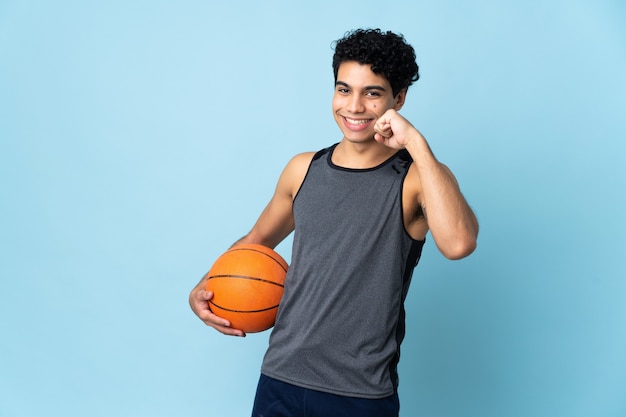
(245, 277)
(262, 253)
(243, 311)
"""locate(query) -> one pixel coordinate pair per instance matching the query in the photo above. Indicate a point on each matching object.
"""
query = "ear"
(400, 97)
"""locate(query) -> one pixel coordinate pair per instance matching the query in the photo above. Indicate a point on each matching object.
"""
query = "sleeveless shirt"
(341, 320)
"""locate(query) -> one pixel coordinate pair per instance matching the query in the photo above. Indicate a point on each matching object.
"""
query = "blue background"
(140, 139)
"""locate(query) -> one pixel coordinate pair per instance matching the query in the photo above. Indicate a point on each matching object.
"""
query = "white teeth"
(357, 122)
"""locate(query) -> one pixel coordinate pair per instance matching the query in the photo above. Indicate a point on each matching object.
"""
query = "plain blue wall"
(140, 139)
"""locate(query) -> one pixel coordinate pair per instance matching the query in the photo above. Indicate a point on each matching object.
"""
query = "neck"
(361, 155)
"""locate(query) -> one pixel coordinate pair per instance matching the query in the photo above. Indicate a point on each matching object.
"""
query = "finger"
(201, 306)
(205, 313)
(223, 326)
(382, 126)
(230, 332)
(385, 132)
(218, 323)
(203, 295)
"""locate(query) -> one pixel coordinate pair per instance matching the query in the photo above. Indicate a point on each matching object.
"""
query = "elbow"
(460, 249)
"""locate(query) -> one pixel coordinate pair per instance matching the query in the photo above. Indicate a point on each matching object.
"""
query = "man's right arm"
(276, 221)
(273, 225)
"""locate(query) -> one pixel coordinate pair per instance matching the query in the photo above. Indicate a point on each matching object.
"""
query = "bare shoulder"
(295, 171)
(301, 160)
(298, 166)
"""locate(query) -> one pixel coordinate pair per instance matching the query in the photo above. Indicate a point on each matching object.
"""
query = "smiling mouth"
(357, 122)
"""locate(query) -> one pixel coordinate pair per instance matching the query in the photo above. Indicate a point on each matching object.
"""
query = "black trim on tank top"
(402, 155)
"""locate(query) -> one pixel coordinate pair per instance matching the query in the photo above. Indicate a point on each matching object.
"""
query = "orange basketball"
(247, 284)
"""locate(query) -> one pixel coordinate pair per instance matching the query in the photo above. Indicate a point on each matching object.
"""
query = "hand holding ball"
(247, 283)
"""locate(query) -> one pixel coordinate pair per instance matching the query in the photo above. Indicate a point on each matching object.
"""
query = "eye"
(372, 93)
(342, 90)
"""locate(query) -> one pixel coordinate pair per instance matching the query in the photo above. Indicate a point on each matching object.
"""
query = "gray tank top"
(341, 319)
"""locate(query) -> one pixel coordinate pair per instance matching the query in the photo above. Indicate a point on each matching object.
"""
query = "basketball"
(247, 285)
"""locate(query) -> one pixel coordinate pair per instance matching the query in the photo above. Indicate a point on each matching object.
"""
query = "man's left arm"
(451, 221)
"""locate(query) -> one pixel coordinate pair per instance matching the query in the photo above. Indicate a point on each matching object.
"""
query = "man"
(360, 211)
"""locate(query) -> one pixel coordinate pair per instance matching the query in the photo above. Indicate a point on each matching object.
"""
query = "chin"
(359, 138)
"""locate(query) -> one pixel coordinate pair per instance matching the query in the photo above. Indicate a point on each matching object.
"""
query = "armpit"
(420, 213)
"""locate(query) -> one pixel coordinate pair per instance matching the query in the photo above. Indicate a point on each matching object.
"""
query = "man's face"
(360, 98)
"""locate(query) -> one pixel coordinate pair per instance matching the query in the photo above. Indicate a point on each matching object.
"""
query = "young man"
(360, 211)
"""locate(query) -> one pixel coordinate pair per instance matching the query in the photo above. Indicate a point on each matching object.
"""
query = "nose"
(355, 104)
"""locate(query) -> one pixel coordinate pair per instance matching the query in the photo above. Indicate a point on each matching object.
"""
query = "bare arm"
(273, 225)
(450, 220)
(276, 221)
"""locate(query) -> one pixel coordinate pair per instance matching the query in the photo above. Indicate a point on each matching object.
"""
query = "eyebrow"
(368, 87)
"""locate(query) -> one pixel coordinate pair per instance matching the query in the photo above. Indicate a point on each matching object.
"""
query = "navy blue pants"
(278, 399)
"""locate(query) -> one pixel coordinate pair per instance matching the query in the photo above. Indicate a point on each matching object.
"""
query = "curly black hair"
(388, 54)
